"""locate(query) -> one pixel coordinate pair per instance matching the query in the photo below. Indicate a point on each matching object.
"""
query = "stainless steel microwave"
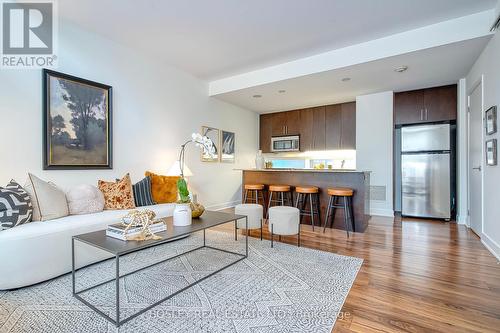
(285, 143)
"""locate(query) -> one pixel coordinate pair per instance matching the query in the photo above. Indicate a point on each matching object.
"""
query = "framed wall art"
(77, 121)
(491, 152)
(491, 120)
(213, 135)
(228, 146)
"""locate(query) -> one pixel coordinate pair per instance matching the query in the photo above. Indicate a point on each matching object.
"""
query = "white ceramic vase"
(182, 215)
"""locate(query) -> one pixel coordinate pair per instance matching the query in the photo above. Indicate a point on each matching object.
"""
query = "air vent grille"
(378, 193)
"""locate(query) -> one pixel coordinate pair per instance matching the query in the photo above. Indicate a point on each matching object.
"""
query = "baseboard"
(382, 212)
(461, 219)
(491, 245)
(224, 205)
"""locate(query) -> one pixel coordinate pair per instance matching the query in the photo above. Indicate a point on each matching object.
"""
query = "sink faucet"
(342, 164)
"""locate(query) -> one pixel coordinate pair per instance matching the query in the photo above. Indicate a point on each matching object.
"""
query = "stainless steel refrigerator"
(426, 170)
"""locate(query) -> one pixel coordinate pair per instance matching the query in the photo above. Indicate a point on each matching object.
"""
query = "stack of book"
(117, 230)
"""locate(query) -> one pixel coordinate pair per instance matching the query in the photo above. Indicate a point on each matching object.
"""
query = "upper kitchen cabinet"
(440, 103)
(265, 134)
(348, 137)
(425, 105)
(306, 129)
(285, 123)
(333, 126)
(318, 129)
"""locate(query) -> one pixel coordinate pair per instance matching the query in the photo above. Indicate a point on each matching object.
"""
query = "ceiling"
(219, 38)
(426, 68)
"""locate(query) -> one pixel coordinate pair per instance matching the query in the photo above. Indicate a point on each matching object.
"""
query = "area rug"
(280, 289)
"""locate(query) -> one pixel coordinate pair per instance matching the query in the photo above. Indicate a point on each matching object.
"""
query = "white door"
(476, 159)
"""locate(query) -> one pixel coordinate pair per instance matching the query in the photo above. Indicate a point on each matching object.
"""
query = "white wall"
(489, 66)
(374, 140)
(156, 108)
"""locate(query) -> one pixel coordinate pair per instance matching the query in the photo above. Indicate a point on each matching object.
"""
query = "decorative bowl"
(196, 210)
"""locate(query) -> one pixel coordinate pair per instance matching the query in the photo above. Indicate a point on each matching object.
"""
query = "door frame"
(477, 83)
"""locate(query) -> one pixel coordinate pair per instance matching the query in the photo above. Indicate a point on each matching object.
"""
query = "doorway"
(475, 160)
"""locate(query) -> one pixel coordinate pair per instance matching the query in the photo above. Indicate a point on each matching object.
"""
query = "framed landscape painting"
(227, 147)
(77, 123)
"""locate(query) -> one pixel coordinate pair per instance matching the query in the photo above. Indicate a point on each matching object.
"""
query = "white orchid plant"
(208, 147)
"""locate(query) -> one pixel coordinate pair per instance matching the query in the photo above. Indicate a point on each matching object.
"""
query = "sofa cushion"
(163, 188)
(142, 193)
(49, 202)
(85, 199)
(117, 195)
(15, 206)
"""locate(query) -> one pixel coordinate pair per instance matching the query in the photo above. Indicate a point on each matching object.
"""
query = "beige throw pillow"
(49, 202)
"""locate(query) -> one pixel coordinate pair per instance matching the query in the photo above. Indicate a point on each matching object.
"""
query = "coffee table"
(119, 248)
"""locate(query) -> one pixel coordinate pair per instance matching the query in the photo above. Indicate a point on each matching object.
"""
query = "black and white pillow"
(142, 193)
(15, 206)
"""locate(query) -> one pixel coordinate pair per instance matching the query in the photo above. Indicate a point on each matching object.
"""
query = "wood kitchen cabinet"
(333, 126)
(425, 105)
(348, 135)
(265, 132)
(306, 132)
(320, 128)
(285, 123)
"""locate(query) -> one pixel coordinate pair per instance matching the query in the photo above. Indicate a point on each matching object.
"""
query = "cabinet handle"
(286, 129)
(421, 114)
(426, 114)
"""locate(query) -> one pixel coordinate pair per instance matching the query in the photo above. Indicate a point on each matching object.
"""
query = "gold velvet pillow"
(163, 188)
(119, 194)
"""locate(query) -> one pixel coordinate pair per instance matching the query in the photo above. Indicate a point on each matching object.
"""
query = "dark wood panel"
(408, 107)
(318, 131)
(265, 133)
(306, 130)
(348, 137)
(333, 126)
(292, 122)
(359, 181)
(278, 121)
(441, 103)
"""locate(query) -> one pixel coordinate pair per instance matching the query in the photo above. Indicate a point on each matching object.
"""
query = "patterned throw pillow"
(15, 206)
(142, 193)
(163, 188)
(117, 195)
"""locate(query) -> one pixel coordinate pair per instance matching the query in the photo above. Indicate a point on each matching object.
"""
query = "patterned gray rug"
(285, 289)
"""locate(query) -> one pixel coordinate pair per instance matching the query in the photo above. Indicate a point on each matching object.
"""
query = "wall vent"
(378, 193)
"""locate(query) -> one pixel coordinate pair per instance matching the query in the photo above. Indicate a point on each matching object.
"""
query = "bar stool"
(311, 194)
(283, 196)
(256, 192)
(335, 195)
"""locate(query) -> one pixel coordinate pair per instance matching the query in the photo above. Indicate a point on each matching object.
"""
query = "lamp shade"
(175, 170)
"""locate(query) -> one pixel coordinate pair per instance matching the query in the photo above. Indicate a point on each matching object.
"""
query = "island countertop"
(307, 170)
(357, 180)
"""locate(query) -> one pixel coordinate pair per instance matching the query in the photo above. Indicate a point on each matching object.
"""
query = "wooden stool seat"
(341, 191)
(306, 189)
(279, 188)
(258, 187)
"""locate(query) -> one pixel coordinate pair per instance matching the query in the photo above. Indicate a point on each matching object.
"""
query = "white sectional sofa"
(39, 251)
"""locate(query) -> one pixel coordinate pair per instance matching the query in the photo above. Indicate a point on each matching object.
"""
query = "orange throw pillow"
(163, 188)
(119, 194)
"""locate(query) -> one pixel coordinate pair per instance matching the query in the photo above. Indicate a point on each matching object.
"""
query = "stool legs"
(272, 236)
(346, 204)
(314, 209)
(283, 199)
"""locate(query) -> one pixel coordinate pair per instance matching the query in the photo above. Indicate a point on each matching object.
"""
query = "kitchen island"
(359, 181)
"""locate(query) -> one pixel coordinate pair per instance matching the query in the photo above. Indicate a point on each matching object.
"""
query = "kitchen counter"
(359, 181)
(306, 170)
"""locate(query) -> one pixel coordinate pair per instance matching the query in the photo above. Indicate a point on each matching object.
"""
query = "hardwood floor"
(417, 276)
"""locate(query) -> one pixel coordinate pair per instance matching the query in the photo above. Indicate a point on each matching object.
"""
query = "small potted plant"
(185, 209)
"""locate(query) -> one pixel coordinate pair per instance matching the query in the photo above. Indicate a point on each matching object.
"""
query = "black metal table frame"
(117, 322)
